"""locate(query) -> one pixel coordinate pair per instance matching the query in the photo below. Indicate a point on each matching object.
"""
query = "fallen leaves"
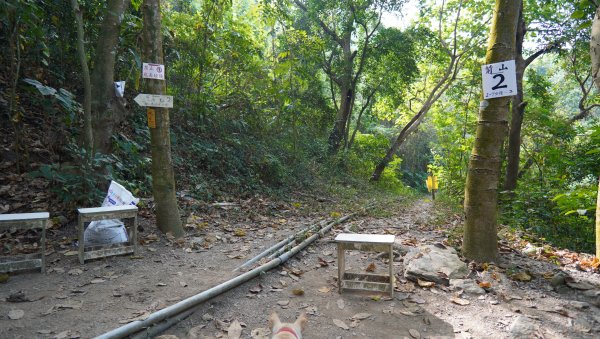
(589, 264)
(485, 284)
(340, 324)
(414, 333)
(283, 303)
(234, 331)
(371, 267)
(323, 262)
(360, 316)
(521, 276)
(256, 289)
(239, 232)
(460, 301)
(325, 289)
(74, 305)
(425, 284)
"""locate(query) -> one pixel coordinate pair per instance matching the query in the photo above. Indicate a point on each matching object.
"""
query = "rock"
(196, 242)
(523, 327)
(592, 297)
(467, 285)
(582, 325)
(580, 305)
(435, 264)
(167, 336)
(558, 279)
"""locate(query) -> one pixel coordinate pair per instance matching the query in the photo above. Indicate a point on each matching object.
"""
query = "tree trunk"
(595, 56)
(408, 128)
(163, 182)
(347, 88)
(481, 191)
(437, 91)
(595, 48)
(517, 111)
(88, 139)
(598, 222)
(108, 110)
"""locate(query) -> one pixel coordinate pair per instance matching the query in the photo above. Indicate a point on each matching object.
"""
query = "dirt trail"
(74, 300)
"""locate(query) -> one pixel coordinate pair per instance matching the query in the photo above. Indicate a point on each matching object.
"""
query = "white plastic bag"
(112, 231)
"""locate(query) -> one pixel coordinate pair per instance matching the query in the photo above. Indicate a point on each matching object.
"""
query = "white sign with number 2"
(499, 79)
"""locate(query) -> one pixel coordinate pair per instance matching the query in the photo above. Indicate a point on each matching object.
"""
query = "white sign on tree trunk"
(499, 79)
(153, 71)
(154, 100)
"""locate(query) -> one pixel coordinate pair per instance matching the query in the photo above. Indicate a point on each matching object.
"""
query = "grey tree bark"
(163, 181)
(107, 110)
(595, 56)
(481, 191)
(88, 139)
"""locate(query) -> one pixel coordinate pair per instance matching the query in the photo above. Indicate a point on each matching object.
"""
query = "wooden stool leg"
(44, 223)
(391, 263)
(135, 236)
(341, 266)
(81, 239)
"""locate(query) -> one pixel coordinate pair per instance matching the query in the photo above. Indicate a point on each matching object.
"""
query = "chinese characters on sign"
(154, 100)
(153, 71)
(499, 79)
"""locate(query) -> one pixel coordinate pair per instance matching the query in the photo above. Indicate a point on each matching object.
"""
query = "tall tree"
(547, 19)
(348, 27)
(595, 56)
(88, 139)
(107, 109)
(481, 191)
(454, 48)
(163, 180)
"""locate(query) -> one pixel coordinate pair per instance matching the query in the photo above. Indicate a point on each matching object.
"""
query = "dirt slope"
(74, 300)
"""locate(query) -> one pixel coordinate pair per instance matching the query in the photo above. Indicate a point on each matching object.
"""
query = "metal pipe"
(187, 304)
(155, 330)
(277, 246)
(285, 248)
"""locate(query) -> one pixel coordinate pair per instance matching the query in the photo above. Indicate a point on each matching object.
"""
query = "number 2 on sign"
(499, 84)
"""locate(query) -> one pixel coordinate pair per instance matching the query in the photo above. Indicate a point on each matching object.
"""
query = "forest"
(271, 94)
(308, 98)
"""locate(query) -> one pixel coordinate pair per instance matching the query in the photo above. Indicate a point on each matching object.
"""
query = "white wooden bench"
(25, 221)
(365, 281)
(129, 215)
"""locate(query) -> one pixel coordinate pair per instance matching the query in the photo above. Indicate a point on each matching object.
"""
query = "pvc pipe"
(157, 329)
(186, 305)
(277, 246)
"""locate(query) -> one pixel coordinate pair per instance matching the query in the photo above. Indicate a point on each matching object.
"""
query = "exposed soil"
(73, 300)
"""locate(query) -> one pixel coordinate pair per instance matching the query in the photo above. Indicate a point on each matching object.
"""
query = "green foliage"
(554, 219)
(367, 151)
(75, 183)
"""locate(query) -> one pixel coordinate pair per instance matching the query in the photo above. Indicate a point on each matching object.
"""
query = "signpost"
(499, 79)
(154, 100)
(151, 117)
(153, 71)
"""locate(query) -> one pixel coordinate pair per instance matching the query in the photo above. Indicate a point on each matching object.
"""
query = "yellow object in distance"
(432, 183)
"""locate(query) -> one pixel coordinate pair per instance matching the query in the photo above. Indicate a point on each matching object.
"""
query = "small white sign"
(119, 88)
(153, 71)
(154, 100)
(499, 79)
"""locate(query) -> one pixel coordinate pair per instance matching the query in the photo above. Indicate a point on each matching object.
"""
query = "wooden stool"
(365, 281)
(26, 221)
(86, 215)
